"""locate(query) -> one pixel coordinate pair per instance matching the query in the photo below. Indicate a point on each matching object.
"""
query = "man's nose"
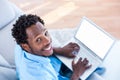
(46, 40)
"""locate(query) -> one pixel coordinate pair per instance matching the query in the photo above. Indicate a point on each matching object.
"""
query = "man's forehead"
(35, 30)
(39, 24)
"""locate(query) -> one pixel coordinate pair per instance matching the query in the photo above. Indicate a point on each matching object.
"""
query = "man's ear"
(25, 47)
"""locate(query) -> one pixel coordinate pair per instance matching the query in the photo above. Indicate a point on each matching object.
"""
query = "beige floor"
(68, 13)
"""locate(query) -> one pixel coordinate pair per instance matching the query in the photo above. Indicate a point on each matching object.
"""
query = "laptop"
(94, 42)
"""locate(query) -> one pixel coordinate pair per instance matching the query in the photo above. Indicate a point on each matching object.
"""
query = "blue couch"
(8, 15)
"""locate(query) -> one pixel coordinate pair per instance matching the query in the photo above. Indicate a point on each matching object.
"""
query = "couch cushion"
(7, 44)
(6, 40)
(7, 74)
(61, 36)
(112, 64)
(7, 13)
(3, 62)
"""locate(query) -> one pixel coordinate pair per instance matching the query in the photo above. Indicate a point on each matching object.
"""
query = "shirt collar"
(36, 58)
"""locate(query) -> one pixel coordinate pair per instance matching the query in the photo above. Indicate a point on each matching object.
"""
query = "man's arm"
(78, 68)
(67, 50)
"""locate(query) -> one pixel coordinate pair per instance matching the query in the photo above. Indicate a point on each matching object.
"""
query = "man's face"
(39, 41)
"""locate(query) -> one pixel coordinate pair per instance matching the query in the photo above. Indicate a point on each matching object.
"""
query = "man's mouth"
(48, 48)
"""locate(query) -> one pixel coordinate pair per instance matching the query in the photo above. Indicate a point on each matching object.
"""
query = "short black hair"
(24, 22)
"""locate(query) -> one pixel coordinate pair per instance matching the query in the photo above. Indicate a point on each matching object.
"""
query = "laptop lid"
(94, 38)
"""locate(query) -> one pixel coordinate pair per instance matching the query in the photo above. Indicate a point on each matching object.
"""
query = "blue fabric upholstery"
(7, 13)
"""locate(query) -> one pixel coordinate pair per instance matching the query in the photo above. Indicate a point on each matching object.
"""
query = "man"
(34, 54)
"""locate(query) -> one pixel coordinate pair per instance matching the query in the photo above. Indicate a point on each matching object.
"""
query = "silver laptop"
(94, 44)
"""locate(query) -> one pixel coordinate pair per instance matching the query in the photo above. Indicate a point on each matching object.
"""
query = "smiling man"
(34, 53)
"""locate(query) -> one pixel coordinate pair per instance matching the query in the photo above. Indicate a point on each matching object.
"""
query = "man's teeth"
(48, 48)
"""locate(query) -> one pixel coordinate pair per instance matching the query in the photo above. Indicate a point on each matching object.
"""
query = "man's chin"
(48, 53)
(51, 53)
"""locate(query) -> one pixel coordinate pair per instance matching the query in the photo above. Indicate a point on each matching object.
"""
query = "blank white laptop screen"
(95, 39)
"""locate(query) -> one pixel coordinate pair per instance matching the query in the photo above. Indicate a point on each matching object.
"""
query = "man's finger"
(80, 60)
(89, 66)
(85, 61)
(73, 62)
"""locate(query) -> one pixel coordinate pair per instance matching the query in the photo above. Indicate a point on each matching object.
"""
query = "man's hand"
(69, 50)
(79, 68)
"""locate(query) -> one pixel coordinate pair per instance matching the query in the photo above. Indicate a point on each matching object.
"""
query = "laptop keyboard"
(93, 60)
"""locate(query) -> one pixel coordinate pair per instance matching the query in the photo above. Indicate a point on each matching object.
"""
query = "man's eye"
(38, 40)
(46, 33)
